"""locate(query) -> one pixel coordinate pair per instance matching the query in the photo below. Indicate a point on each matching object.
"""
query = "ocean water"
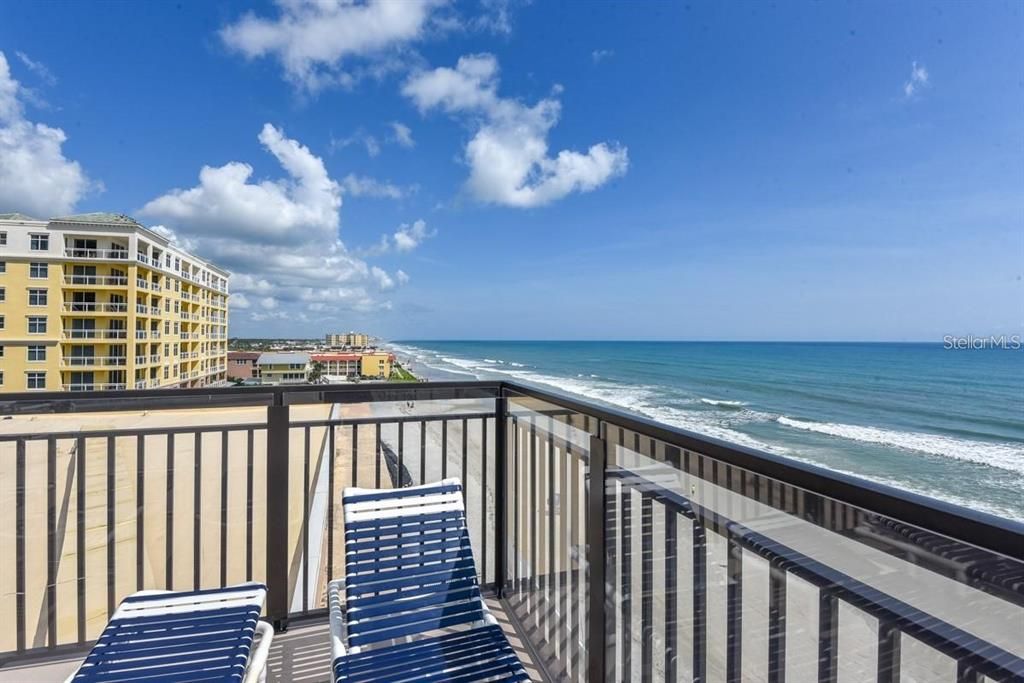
(944, 423)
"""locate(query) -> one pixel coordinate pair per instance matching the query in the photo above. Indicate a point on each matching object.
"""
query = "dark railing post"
(278, 421)
(596, 559)
(501, 497)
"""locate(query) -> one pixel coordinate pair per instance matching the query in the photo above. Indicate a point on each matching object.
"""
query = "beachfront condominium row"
(98, 302)
(297, 367)
(349, 340)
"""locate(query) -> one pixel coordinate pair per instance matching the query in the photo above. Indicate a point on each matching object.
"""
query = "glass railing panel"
(720, 573)
(546, 525)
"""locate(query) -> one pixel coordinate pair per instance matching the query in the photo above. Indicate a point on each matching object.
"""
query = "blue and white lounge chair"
(165, 636)
(410, 572)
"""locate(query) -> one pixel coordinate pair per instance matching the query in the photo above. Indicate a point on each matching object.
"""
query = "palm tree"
(316, 372)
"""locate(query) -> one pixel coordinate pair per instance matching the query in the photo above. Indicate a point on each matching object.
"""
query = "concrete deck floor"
(302, 654)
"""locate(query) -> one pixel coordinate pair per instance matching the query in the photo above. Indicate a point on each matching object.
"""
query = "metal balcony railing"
(96, 361)
(107, 254)
(96, 280)
(623, 549)
(93, 386)
(95, 307)
(95, 334)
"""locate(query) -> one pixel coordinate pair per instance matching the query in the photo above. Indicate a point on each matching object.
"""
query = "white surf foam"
(1004, 456)
(644, 400)
(722, 402)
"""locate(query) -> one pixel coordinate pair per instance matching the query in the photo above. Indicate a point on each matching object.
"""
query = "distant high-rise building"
(352, 340)
(97, 301)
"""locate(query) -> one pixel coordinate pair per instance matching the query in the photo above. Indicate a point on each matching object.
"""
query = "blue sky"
(558, 170)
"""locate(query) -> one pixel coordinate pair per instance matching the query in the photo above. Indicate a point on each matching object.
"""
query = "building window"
(3, 267)
(40, 243)
(3, 238)
(3, 294)
(2, 322)
(36, 353)
(1, 378)
(38, 271)
(37, 324)
(167, 372)
(37, 297)
(37, 380)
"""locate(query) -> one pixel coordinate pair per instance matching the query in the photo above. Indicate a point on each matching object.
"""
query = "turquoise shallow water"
(939, 422)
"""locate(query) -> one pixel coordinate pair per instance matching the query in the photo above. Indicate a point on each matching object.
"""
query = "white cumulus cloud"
(35, 176)
(362, 186)
(408, 237)
(360, 137)
(279, 238)
(313, 39)
(508, 155)
(918, 80)
(225, 202)
(402, 135)
(384, 281)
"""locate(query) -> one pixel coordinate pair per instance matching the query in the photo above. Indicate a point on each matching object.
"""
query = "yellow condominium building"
(352, 340)
(97, 301)
(376, 364)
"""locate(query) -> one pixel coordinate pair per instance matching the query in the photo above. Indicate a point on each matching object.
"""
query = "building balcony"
(614, 547)
(97, 254)
(95, 281)
(94, 334)
(141, 283)
(90, 307)
(93, 386)
(141, 334)
(93, 361)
